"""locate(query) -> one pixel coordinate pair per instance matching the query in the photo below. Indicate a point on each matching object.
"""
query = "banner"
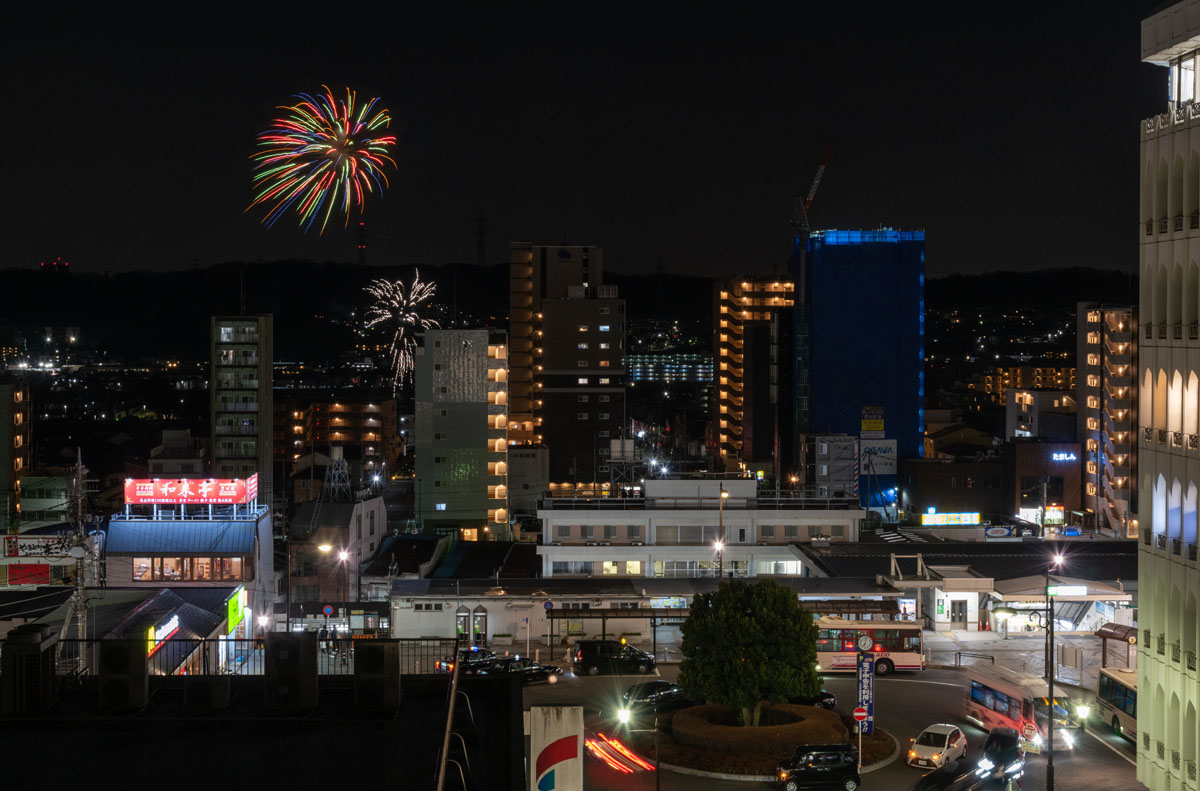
(556, 748)
(866, 690)
(191, 491)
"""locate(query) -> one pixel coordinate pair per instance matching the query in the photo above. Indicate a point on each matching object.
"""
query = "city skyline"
(669, 138)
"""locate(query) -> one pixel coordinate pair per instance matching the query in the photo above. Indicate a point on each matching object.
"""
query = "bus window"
(912, 641)
(829, 639)
(887, 640)
(977, 693)
(1000, 703)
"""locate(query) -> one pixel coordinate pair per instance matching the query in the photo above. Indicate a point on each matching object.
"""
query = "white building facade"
(1169, 407)
(675, 529)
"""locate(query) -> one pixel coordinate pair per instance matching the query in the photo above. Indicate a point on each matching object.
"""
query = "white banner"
(556, 748)
(880, 454)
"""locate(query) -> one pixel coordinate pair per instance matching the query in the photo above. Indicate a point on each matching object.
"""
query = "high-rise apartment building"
(752, 331)
(240, 400)
(860, 335)
(1168, 688)
(567, 378)
(461, 391)
(1106, 338)
(16, 446)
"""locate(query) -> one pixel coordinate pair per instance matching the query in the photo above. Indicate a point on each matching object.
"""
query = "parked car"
(822, 700)
(1002, 756)
(820, 766)
(465, 655)
(937, 745)
(530, 672)
(610, 656)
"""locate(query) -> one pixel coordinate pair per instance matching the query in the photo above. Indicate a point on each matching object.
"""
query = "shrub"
(717, 728)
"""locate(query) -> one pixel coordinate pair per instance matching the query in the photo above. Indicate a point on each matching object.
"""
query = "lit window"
(439, 507)
(605, 346)
(603, 380)
(581, 415)
(583, 380)
(604, 363)
(583, 328)
(604, 328)
(584, 346)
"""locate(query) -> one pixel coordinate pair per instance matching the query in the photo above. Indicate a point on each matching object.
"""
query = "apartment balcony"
(241, 408)
(235, 431)
(499, 375)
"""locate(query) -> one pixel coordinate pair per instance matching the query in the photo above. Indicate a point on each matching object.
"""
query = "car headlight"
(1069, 738)
(912, 753)
(1037, 739)
(985, 764)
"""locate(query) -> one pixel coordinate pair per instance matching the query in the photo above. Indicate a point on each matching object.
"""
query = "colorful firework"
(323, 154)
(396, 309)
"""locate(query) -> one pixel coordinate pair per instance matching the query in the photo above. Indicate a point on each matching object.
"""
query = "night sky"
(669, 134)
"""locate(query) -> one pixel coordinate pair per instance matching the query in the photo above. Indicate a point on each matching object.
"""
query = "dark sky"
(676, 134)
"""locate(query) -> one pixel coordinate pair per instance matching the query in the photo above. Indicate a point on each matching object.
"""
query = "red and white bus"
(895, 644)
(1001, 698)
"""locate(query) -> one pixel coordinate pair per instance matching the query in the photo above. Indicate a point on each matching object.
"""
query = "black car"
(1003, 756)
(822, 700)
(594, 657)
(639, 692)
(465, 656)
(820, 766)
(529, 671)
(953, 776)
(661, 700)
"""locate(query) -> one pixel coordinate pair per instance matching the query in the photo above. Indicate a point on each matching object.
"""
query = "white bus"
(1116, 700)
(1001, 698)
(895, 644)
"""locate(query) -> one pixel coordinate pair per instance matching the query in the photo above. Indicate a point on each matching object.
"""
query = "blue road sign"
(866, 690)
(549, 605)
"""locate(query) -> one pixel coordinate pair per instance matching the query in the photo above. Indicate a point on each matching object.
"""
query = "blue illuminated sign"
(1064, 457)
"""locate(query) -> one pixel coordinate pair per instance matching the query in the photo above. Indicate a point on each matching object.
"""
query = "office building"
(752, 333)
(16, 445)
(240, 399)
(674, 530)
(860, 335)
(668, 367)
(461, 391)
(1168, 688)
(1106, 336)
(567, 378)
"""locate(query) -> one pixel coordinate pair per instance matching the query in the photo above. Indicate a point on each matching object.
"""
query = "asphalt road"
(905, 704)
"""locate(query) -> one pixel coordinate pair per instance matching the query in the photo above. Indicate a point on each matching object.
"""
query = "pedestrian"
(323, 639)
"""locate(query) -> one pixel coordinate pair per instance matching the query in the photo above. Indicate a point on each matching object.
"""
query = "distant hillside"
(1048, 288)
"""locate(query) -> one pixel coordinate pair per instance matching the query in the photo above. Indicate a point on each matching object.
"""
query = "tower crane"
(800, 206)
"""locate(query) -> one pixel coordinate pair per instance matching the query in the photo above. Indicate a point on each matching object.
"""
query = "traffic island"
(708, 740)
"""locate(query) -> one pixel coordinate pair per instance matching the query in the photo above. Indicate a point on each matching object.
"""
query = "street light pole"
(1050, 678)
(724, 495)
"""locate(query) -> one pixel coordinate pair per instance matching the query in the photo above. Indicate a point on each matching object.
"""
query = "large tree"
(748, 643)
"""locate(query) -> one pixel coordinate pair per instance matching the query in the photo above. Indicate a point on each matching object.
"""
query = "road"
(905, 704)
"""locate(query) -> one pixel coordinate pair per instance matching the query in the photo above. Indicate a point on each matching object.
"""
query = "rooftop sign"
(950, 519)
(191, 491)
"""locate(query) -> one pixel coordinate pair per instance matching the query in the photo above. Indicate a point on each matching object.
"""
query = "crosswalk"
(900, 536)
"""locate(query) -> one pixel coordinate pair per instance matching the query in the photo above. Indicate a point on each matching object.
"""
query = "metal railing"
(1175, 760)
(1177, 331)
(1160, 750)
(1162, 436)
(1149, 227)
(1191, 552)
(1178, 222)
(246, 657)
(1161, 648)
(1193, 331)
(1190, 658)
(1175, 652)
(1176, 546)
(1146, 741)
(1177, 439)
(1148, 434)
(1160, 540)
(1146, 637)
(958, 655)
(1191, 770)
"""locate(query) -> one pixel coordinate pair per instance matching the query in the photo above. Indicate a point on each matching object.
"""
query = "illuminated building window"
(583, 328)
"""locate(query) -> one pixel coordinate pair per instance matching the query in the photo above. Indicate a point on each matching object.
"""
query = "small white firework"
(395, 309)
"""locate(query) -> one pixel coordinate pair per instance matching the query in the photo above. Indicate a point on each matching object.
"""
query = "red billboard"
(191, 491)
(28, 574)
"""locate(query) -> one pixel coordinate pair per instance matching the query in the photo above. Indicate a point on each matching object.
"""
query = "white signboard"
(556, 748)
(879, 453)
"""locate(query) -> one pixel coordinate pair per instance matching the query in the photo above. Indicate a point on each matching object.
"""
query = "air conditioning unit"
(206, 694)
(291, 671)
(376, 675)
(639, 544)
(124, 678)
(27, 670)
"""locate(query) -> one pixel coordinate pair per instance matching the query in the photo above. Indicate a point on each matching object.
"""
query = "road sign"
(866, 690)
(328, 609)
(549, 605)
(860, 714)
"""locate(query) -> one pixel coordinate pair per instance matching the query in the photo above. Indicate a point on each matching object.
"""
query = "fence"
(246, 657)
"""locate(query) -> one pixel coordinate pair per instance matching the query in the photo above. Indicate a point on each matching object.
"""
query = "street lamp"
(720, 545)
(624, 716)
(1054, 564)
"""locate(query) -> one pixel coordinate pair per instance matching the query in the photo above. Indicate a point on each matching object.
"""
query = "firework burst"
(395, 309)
(322, 155)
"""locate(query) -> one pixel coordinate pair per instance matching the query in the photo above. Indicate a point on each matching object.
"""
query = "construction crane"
(800, 206)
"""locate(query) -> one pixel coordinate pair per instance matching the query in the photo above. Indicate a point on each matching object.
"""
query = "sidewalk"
(1024, 652)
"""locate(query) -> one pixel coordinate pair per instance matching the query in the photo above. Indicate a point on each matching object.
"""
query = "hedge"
(712, 727)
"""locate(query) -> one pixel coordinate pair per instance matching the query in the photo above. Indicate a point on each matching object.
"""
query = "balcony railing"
(1178, 223)
(1191, 552)
(1149, 227)
(1146, 741)
(1163, 224)
(1146, 637)
(1194, 221)
(1160, 540)
(1190, 660)
(1191, 770)
(1176, 546)
(1162, 436)
(1162, 332)
(1175, 760)
(1146, 536)
(1175, 652)
(1177, 331)
(1193, 441)
(1160, 749)
(1193, 331)
(1177, 439)
(1149, 332)
(1161, 646)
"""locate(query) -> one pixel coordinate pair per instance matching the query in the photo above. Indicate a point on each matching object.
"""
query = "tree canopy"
(745, 644)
